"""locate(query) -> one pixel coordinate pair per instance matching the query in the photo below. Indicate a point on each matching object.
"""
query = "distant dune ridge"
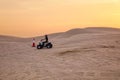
(85, 31)
(74, 32)
(78, 54)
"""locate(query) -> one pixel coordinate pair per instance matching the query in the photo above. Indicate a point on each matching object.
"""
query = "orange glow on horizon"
(26, 18)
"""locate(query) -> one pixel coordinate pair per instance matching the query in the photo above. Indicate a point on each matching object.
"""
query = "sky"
(27, 18)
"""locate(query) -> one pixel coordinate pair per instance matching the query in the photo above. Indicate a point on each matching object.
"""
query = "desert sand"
(78, 54)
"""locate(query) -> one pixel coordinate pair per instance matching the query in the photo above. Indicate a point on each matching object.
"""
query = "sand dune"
(12, 39)
(92, 30)
(78, 54)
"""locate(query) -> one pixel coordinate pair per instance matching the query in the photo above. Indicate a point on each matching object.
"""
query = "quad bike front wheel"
(49, 46)
(39, 46)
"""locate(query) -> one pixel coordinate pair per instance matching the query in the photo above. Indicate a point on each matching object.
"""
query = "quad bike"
(44, 45)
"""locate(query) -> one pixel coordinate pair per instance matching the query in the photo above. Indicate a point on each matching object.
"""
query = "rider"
(46, 39)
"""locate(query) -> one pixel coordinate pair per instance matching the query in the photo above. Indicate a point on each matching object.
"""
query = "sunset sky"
(26, 18)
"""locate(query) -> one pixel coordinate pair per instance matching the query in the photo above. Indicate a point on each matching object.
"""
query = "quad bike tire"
(49, 45)
(39, 46)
